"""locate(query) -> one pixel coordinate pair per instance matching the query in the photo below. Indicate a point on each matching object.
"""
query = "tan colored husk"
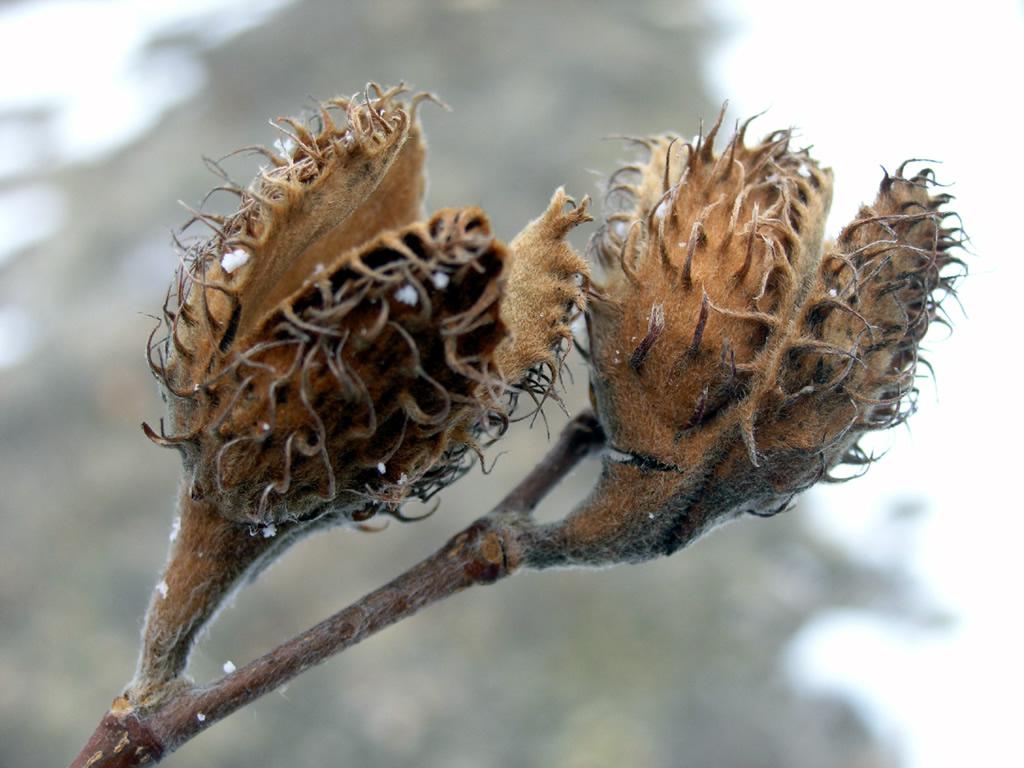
(315, 313)
(365, 387)
(361, 380)
(331, 350)
(331, 353)
(736, 359)
(705, 256)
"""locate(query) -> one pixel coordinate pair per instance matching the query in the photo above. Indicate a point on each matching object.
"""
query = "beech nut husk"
(332, 351)
(736, 357)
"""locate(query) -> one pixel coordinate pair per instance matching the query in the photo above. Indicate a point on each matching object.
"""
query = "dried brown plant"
(331, 352)
(736, 357)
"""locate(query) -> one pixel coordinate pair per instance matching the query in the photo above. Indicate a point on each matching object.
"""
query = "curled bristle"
(328, 348)
(384, 358)
(726, 243)
(771, 353)
(331, 186)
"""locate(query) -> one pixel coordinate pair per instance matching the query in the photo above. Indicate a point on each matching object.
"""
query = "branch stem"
(488, 550)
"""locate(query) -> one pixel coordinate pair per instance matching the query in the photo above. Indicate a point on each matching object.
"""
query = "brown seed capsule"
(736, 358)
(359, 380)
(310, 369)
(330, 354)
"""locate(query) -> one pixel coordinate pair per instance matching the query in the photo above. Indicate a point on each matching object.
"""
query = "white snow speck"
(661, 210)
(269, 531)
(285, 148)
(175, 528)
(614, 454)
(833, 292)
(318, 268)
(200, 717)
(403, 479)
(804, 170)
(162, 589)
(579, 325)
(265, 426)
(229, 667)
(440, 280)
(407, 295)
(650, 515)
(381, 468)
(232, 260)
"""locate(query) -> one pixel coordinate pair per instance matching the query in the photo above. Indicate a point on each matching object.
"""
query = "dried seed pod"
(359, 382)
(329, 355)
(735, 358)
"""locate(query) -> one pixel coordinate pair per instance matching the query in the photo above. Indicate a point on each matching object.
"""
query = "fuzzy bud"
(736, 358)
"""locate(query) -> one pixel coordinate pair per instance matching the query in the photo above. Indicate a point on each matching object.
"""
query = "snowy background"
(876, 625)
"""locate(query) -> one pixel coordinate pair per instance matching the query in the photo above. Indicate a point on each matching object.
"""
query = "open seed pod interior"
(328, 350)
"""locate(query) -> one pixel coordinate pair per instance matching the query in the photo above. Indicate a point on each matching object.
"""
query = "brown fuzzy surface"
(396, 202)
(211, 558)
(350, 361)
(370, 365)
(736, 359)
(706, 256)
(326, 181)
(546, 289)
(357, 352)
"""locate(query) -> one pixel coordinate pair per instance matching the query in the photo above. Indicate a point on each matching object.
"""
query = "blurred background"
(874, 626)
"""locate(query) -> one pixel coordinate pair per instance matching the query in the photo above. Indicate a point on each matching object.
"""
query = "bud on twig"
(736, 359)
